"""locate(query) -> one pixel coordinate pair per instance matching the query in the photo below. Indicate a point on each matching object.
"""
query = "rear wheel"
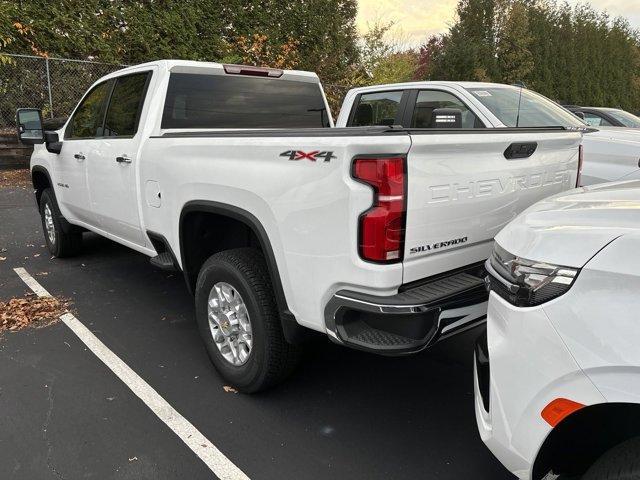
(240, 323)
(60, 241)
(620, 463)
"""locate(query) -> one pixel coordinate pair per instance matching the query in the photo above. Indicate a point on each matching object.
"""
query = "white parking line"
(220, 465)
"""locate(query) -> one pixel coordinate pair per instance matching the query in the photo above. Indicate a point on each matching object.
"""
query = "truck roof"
(171, 64)
(433, 83)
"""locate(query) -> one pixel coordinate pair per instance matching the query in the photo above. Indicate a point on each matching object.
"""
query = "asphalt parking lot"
(344, 414)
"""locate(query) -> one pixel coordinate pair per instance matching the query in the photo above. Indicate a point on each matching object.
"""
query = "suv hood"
(570, 228)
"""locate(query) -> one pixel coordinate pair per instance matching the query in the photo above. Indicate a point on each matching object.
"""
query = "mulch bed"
(30, 310)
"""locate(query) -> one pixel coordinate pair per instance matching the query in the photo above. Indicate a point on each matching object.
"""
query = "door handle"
(517, 151)
(79, 156)
(123, 159)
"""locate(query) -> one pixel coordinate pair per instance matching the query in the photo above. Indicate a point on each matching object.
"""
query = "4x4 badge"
(313, 156)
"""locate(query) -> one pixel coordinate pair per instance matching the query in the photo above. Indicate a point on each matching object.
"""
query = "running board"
(164, 261)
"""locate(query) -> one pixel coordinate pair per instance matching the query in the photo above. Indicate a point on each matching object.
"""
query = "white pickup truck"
(609, 153)
(375, 236)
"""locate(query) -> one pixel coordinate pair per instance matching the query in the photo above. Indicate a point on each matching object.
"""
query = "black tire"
(271, 358)
(67, 241)
(620, 463)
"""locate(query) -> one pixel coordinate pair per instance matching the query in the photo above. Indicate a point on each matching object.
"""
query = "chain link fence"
(54, 85)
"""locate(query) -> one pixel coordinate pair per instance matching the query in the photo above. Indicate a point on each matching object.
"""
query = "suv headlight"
(525, 283)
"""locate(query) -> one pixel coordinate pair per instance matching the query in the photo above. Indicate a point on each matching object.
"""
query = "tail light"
(580, 162)
(381, 228)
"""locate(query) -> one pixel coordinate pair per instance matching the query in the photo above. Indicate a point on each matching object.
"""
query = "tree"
(514, 59)
(573, 55)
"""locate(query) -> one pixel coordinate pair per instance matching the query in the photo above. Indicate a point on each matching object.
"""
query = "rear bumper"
(411, 320)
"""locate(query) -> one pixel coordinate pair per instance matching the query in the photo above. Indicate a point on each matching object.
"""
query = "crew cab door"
(112, 166)
(80, 136)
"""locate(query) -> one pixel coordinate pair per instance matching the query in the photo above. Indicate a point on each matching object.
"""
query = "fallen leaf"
(19, 313)
(2, 259)
(15, 178)
(229, 389)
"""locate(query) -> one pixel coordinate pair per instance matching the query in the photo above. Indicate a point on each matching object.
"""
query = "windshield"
(626, 118)
(535, 110)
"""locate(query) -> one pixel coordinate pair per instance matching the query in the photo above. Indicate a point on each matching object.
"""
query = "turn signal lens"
(559, 409)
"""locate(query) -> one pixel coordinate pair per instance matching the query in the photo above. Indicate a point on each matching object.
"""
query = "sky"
(415, 20)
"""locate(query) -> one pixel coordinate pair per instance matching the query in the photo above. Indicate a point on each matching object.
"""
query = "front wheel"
(240, 323)
(60, 241)
(620, 463)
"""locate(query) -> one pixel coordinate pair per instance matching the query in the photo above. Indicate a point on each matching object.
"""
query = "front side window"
(516, 107)
(231, 101)
(88, 117)
(125, 105)
(430, 100)
(379, 108)
(595, 120)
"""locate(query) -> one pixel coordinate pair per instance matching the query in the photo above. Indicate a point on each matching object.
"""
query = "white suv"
(557, 376)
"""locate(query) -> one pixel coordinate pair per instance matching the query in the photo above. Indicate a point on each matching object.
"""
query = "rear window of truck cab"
(196, 100)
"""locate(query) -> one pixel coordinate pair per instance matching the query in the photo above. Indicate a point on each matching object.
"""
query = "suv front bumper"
(411, 320)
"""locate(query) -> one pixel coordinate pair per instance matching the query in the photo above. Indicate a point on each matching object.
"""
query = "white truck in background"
(609, 153)
(374, 236)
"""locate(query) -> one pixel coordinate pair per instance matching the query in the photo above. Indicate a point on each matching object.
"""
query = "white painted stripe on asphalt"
(217, 462)
(31, 282)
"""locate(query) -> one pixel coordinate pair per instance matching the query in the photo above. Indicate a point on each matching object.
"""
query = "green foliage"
(382, 59)
(135, 31)
(395, 68)
(573, 55)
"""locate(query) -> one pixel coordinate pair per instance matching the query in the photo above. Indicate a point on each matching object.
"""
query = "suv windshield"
(535, 110)
(626, 118)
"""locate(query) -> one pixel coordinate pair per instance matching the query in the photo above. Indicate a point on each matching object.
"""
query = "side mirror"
(30, 130)
(52, 142)
(580, 115)
(446, 118)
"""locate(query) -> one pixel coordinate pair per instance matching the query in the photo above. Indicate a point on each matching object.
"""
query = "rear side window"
(430, 100)
(380, 108)
(88, 117)
(596, 120)
(125, 105)
(221, 101)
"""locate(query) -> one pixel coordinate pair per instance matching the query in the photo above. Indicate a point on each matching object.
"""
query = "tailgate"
(463, 188)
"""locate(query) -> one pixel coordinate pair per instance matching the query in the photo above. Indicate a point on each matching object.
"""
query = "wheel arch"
(581, 438)
(294, 333)
(41, 179)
